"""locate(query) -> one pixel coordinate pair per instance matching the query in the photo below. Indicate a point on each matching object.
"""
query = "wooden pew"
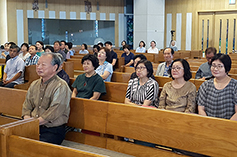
(20, 138)
(20, 146)
(12, 101)
(190, 132)
(26, 128)
(172, 129)
(2, 60)
(77, 63)
(68, 68)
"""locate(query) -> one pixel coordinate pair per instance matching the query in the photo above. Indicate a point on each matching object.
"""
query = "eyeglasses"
(176, 68)
(218, 67)
(140, 68)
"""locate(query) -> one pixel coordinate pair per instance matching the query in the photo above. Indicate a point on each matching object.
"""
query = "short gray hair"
(56, 59)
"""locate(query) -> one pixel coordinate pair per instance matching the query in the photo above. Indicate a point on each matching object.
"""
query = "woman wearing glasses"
(218, 97)
(179, 94)
(143, 90)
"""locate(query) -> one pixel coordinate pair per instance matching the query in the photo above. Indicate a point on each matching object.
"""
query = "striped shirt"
(32, 61)
(138, 93)
(218, 103)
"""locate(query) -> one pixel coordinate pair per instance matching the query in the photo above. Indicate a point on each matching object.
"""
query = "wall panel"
(193, 6)
(53, 11)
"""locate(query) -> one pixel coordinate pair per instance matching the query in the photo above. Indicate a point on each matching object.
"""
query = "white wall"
(3, 21)
(149, 22)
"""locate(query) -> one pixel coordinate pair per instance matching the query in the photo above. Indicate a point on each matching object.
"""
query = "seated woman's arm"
(147, 103)
(74, 93)
(130, 63)
(201, 111)
(96, 96)
(105, 75)
(191, 105)
(234, 117)
(128, 101)
(108, 70)
(162, 99)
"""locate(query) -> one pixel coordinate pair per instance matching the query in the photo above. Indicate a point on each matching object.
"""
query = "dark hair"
(187, 73)
(126, 47)
(50, 48)
(144, 45)
(101, 44)
(41, 43)
(85, 46)
(153, 41)
(2, 47)
(108, 54)
(109, 43)
(143, 57)
(124, 42)
(26, 45)
(92, 58)
(69, 44)
(11, 43)
(225, 59)
(172, 51)
(148, 66)
(210, 50)
(97, 47)
(15, 47)
(34, 46)
(57, 42)
(63, 42)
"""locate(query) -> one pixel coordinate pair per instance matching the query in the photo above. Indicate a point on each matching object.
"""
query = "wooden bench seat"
(190, 132)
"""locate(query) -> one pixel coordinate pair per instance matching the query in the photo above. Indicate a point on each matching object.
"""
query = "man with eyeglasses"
(164, 67)
(204, 71)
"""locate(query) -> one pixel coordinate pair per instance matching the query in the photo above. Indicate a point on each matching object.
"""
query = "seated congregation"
(48, 98)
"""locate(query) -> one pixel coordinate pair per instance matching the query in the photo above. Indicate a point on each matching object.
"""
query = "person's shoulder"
(36, 56)
(190, 85)
(97, 77)
(204, 65)
(152, 81)
(162, 64)
(19, 60)
(34, 83)
(233, 81)
(207, 83)
(168, 84)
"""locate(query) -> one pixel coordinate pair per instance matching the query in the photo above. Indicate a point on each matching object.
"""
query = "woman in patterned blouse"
(142, 91)
(218, 97)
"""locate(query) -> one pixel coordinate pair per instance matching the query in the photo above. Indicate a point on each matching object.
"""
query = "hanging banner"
(227, 27)
(220, 36)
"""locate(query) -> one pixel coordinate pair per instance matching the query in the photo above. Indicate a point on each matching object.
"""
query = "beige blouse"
(181, 99)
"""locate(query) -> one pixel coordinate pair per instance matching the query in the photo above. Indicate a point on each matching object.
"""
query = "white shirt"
(151, 50)
(141, 50)
(27, 55)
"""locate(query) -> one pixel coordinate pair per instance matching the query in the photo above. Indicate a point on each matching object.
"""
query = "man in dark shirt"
(113, 58)
(56, 46)
(62, 47)
(61, 73)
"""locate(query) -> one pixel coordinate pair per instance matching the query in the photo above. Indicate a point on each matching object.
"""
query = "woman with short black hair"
(83, 49)
(179, 94)
(141, 48)
(143, 90)
(89, 85)
(218, 97)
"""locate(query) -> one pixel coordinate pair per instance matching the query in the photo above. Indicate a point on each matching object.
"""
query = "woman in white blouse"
(153, 48)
